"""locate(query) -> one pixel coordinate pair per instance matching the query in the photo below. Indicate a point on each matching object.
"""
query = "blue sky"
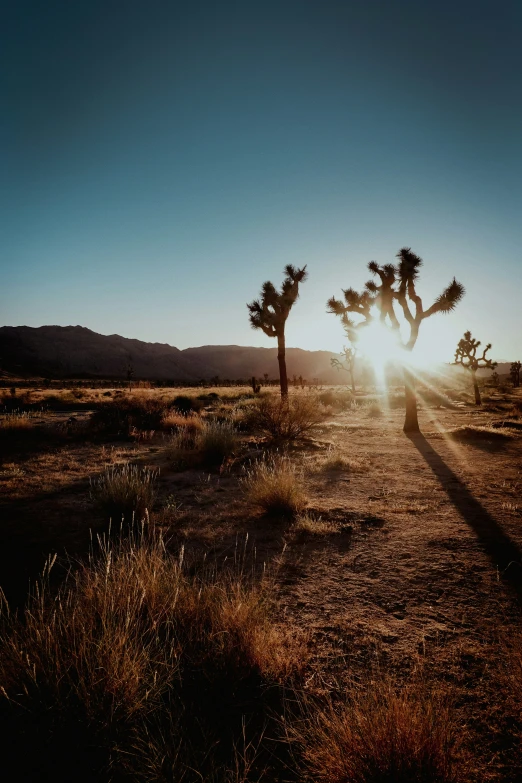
(160, 160)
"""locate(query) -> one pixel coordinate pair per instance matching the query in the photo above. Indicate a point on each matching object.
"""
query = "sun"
(380, 346)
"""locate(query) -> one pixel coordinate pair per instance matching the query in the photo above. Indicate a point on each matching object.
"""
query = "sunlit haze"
(161, 160)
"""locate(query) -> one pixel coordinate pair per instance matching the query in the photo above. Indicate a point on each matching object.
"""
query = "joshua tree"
(255, 384)
(130, 375)
(271, 310)
(348, 364)
(466, 356)
(514, 371)
(495, 378)
(397, 292)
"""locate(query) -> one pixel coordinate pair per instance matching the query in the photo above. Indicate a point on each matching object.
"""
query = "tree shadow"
(503, 552)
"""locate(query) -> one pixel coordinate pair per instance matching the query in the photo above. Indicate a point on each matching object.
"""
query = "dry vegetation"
(312, 596)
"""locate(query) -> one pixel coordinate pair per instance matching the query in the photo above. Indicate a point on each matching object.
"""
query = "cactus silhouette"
(396, 294)
(466, 356)
(514, 372)
(347, 364)
(255, 384)
(271, 311)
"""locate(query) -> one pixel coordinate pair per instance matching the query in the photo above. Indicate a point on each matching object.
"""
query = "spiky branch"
(270, 312)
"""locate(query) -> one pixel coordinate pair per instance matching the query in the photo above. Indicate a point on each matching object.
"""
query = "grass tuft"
(124, 491)
(378, 737)
(277, 487)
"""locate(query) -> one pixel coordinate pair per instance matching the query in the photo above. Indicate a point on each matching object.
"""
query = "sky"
(160, 160)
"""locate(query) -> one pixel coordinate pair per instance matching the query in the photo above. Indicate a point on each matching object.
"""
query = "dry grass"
(469, 433)
(216, 441)
(380, 736)
(315, 526)
(277, 486)
(124, 491)
(207, 444)
(335, 461)
(287, 420)
(16, 421)
(188, 422)
(151, 662)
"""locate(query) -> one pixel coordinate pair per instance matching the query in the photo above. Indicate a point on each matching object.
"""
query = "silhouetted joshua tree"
(348, 363)
(466, 356)
(271, 310)
(514, 372)
(130, 375)
(255, 384)
(397, 289)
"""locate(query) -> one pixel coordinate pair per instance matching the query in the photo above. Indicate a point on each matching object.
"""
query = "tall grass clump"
(287, 419)
(216, 441)
(138, 670)
(276, 486)
(16, 420)
(124, 491)
(380, 736)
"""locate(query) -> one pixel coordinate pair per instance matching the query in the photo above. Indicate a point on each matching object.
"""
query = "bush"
(140, 668)
(339, 401)
(379, 737)
(126, 412)
(277, 487)
(124, 491)
(286, 419)
(185, 404)
(216, 441)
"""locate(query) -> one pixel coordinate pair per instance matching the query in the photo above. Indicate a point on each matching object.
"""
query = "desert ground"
(392, 577)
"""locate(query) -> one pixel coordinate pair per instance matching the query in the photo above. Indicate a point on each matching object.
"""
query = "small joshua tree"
(466, 356)
(398, 288)
(514, 372)
(271, 310)
(255, 384)
(347, 364)
(130, 375)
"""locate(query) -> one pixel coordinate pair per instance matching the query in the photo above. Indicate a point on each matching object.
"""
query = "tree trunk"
(478, 400)
(411, 422)
(283, 380)
(353, 382)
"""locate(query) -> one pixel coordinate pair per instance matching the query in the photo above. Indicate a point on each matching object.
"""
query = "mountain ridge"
(69, 351)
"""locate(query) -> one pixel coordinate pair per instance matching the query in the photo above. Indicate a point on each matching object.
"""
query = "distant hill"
(77, 352)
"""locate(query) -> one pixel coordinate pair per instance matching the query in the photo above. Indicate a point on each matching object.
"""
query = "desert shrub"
(380, 736)
(208, 444)
(139, 667)
(185, 404)
(374, 410)
(286, 419)
(216, 441)
(124, 491)
(125, 412)
(338, 400)
(276, 485)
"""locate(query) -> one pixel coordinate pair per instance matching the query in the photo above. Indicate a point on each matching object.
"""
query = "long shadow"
(503, 552)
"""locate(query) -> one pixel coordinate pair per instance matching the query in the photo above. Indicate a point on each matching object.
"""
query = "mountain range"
(78, 352)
